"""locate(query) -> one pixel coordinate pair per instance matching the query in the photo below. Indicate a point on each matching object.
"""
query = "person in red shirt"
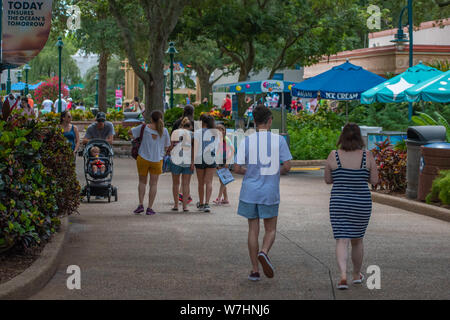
(226, 106)
(69, 105)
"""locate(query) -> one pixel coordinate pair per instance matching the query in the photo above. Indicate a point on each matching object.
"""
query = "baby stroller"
(99, 184)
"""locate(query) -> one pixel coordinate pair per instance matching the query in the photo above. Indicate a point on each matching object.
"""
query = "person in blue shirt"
(258, 158)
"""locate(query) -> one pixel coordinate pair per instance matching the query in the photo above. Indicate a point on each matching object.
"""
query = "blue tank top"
(71, 137)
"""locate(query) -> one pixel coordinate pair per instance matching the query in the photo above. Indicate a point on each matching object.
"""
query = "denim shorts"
(176, 169)
(255, 210)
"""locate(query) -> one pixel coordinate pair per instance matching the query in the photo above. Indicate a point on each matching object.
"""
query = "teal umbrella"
(77, 86)
(436, 89)
(393, 90)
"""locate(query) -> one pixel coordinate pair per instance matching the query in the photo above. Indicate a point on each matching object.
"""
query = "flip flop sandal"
(185, 210)
(342, 285)
(174, 209)
(360, 280)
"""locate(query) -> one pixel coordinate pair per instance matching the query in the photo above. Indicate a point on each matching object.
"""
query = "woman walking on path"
(154, 144)
(350, 169)
(204, 150)
(182, 163)
(70, 131)
(226, 152)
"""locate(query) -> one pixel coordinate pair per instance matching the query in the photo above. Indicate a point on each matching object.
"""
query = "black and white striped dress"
(351, 201)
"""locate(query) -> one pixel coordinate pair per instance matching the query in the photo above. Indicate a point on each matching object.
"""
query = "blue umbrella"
(343, 82)
(35, 86)
(19, 86)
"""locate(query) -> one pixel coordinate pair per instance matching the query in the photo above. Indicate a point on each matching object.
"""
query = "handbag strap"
(142, 131)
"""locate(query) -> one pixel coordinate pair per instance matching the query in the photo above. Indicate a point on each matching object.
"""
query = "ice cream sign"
(272, 86)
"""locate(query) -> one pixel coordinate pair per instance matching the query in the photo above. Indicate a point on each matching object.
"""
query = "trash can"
(418, 136)
(435, 157)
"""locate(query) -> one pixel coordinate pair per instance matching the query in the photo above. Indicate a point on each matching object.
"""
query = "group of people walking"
(187, 149)
(349, 169)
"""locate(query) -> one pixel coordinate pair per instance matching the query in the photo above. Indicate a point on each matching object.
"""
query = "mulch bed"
(14, 262)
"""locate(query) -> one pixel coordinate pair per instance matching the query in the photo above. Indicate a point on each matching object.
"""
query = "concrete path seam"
(35, 277)
(315, 258)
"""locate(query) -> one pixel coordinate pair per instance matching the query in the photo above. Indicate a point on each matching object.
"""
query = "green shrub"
(313, 136)
(440, 189)
(201, 108)
(37, 181)
(115, 116)
(172, 115)
(122, 132)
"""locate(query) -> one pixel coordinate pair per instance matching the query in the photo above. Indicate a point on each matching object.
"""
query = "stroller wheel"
(109, 194)
(116, 197)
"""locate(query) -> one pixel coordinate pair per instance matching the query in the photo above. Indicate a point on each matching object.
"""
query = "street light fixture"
(171, 51)
(60, 46)
(8, 82)
(401, 39)
(19, 76)
(27, 69)
(96, 90)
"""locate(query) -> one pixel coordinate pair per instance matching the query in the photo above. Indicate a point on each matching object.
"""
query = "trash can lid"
(438, 145)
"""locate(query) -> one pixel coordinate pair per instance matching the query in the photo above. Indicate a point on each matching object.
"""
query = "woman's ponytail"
(157, 119)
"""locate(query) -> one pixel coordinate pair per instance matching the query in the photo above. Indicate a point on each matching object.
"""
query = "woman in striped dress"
(350, 169)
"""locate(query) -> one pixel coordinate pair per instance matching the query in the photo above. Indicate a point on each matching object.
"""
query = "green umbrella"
(77, 86)
(436, 89)
(393, 90)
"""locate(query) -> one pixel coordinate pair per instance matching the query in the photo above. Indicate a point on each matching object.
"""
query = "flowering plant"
(50, 89)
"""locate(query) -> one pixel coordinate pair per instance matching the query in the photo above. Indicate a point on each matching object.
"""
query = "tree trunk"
(205, 85)
(102, 81)
(154, 89)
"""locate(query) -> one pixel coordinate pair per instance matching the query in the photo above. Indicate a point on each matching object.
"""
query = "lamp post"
(171, 51)
(60, 46)
(8, 82)
(401, 39)
(27, 69)
(96, 90)
(19, 76)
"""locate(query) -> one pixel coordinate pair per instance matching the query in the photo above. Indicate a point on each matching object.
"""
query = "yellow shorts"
(144, 167)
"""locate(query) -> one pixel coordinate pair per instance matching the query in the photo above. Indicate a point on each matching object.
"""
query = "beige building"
(431, 43)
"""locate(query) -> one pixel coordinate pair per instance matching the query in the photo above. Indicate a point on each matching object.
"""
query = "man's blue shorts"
(255, 210)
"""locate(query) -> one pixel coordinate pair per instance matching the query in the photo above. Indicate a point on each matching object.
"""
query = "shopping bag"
(166, 163)
(225, 176)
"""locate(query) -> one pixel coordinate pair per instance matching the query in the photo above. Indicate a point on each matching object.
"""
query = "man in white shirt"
(47, 106)
(63, 105)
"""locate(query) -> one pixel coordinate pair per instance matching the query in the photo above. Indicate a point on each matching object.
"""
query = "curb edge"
(40, 272)
(413, 206)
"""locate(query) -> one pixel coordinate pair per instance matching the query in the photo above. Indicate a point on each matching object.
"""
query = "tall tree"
(274, 34)
(204, 57)
(98, 35)
(145, 27)
(43, 66)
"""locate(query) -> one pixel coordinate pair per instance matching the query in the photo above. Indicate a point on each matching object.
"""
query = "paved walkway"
(204, 255)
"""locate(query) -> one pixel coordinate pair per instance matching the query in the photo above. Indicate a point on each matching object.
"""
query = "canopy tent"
(77, 86)
(256, 87)
(436, 89)
(393, 90)
(35, 86)
(18, 86)
(344, 82)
